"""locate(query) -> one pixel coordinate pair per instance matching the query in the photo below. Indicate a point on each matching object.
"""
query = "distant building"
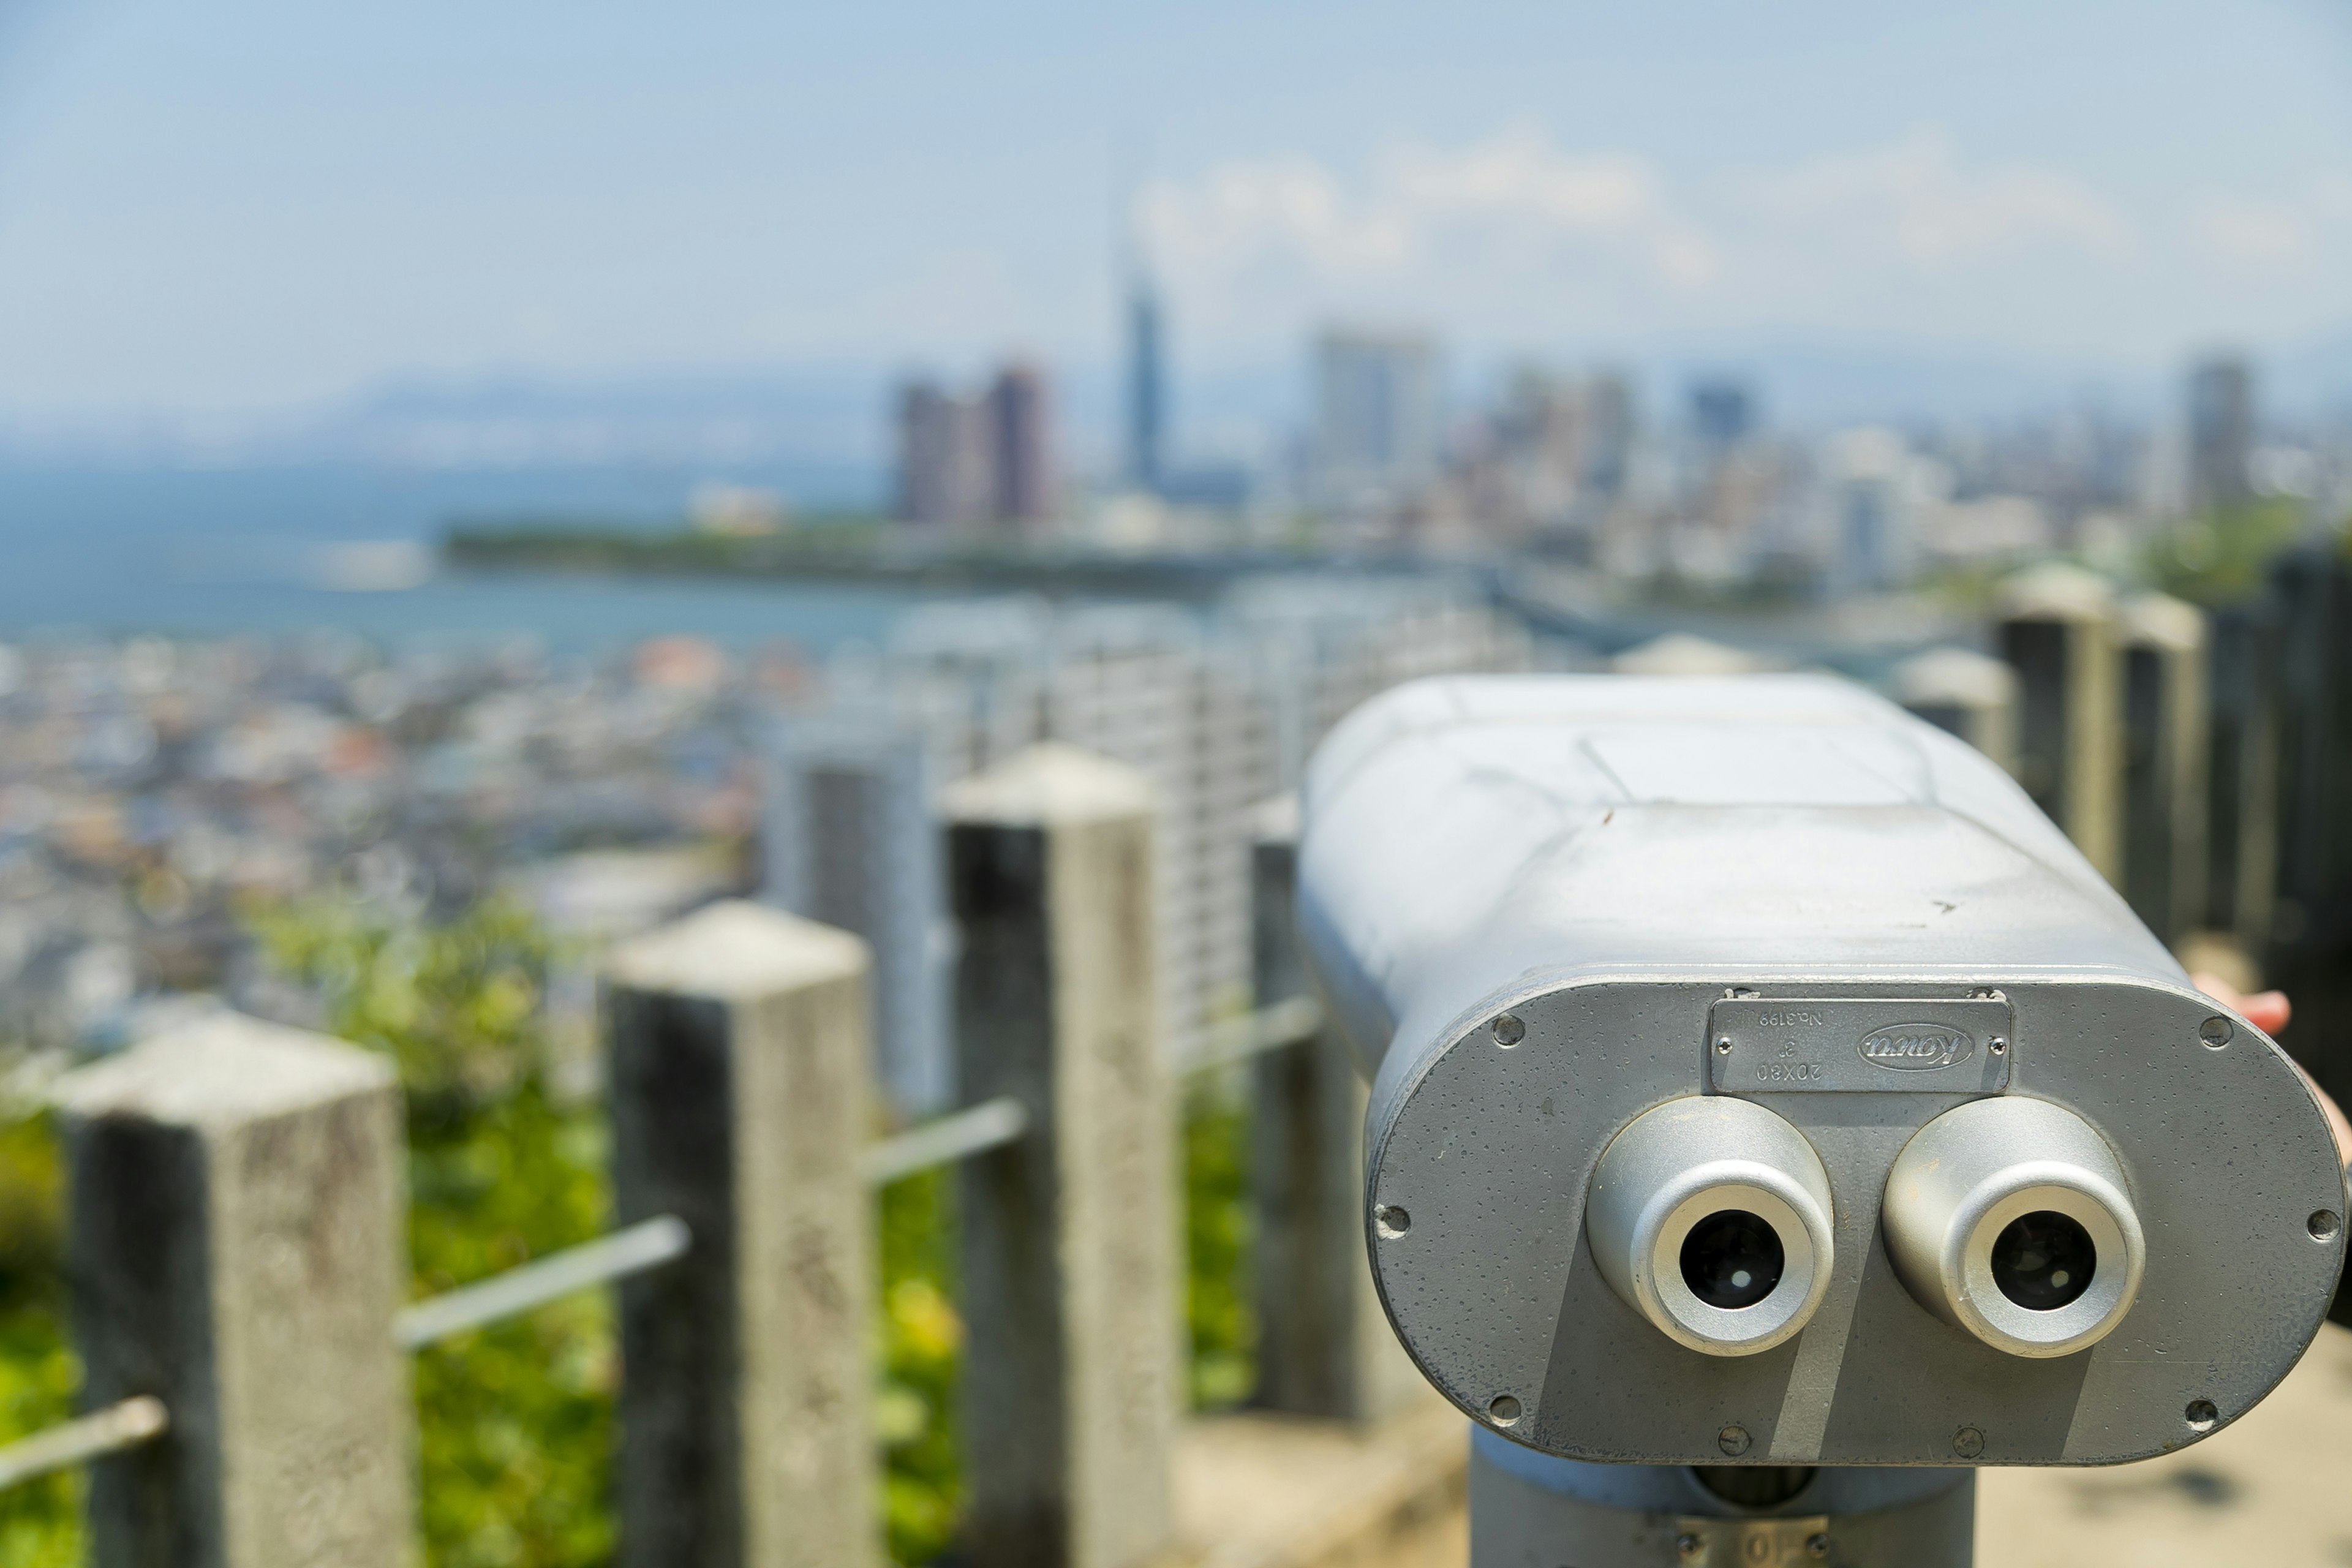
(943, 468)
(1722, 412)
(2220, 432)
(848, 838)
(1147, 401)
(1378, 436)
(969, 461)
(1877, 489)
(1561, 457)
(1610, 426)
(1020, 445)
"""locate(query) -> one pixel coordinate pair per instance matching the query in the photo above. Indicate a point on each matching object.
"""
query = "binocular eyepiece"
(1711, 1217)
(2011, 1218)
(2008, 1218)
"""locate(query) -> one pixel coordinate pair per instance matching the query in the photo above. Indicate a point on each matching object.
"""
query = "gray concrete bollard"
(741, 1090)
(1968, 694)
(2056, 624)
(1069, 1245)
(236, 1249)
(2166, 736)
(1324, 1344)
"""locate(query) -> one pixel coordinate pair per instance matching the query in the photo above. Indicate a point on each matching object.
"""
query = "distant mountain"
(823, 432)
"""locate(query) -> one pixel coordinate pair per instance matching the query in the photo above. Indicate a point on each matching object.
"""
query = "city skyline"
(261, 212)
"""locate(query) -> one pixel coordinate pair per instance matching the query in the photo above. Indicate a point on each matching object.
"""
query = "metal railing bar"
(975, 1129)
(1285, 1023)
(648, 1244)
(84, 1438)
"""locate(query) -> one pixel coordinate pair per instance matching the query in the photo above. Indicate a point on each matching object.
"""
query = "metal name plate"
(1866, 1045)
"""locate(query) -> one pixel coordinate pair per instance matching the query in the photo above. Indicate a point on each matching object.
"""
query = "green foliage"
(40, 1522)
(1217, 1233)
(515, 1420)
(2220, 558)
(922, 1341)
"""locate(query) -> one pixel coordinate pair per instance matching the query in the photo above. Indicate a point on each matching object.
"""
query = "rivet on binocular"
(1750, 1056)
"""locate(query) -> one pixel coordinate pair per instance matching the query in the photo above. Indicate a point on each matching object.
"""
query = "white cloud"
(1513, 202)
(2240, 230)
(1917, 200)
(2265, 238)
(1513, 239)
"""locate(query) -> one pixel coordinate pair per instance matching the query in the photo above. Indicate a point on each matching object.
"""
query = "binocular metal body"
(1759, 1078)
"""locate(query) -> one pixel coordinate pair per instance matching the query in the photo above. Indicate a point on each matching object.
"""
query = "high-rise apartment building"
(1218, 709)
(2220, 432)
(972, 461)
(849, 838)
(1378, 430)
(1016, 412)
(944, 468)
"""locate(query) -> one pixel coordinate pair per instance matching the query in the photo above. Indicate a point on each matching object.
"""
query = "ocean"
(217, 552)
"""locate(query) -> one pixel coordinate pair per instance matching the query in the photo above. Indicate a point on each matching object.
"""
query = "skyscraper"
(1875, 484)
(970, 460)
(1147, 407)
(2220, 432)
(1722, 412)
(1016, 416)
(943, 459)
(1377, 433)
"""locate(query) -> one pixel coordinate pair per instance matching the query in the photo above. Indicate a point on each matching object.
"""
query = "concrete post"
(1968, 694)
(739, 1052)
(1070, 1243)
(2056, 627)
(236, 1249)
(2241, 773)
(2166, 724)
(1324, 1345)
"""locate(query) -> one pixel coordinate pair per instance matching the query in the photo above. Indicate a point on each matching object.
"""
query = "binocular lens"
(2042, 1260)
(1732, 1259)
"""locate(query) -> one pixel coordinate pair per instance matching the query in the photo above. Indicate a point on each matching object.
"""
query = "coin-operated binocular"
(1773, 1116)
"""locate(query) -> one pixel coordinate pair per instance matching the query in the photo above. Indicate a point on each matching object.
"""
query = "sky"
(248, 208)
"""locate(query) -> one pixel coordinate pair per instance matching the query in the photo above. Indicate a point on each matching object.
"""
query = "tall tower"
(1147, 405)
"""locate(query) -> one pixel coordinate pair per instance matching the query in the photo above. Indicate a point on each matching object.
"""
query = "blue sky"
(255, 206)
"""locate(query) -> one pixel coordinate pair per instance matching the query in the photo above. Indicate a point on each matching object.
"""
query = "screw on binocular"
(1817, 1546)
(1734, 1440)
(1392, 1221)
(1508, 1030)
(2216, 1032)
(1723, 1046)
(2322, 1225)
(1689, 1544)
(1968, 1442)
(2202, 1415)
(1999, 1046)
(1505, 1410)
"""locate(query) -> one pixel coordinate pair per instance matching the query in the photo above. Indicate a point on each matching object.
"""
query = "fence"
(237, 1272)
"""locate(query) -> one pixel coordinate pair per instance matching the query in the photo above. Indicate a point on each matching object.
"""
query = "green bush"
(1221, 1327)
(514, 1421)
(40, 1521)
(2219, 558)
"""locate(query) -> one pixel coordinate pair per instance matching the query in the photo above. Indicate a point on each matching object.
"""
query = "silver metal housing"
(1677, 1164)
(1967, 1175)
(1543, 906)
